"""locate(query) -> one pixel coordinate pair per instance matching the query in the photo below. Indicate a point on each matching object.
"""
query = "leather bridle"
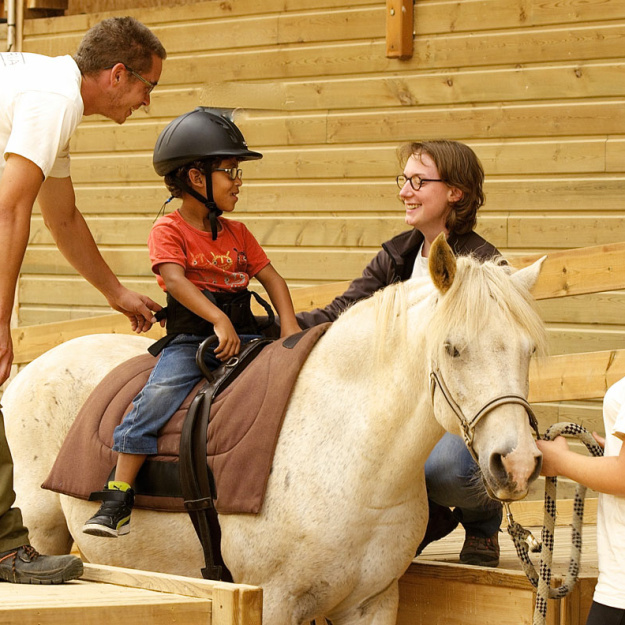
(468, 425)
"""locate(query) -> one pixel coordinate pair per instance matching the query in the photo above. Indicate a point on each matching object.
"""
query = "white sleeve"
(42, 127)
(614, 409)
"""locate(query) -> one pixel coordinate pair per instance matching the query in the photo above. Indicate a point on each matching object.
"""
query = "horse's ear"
(442, 264)
(526, 277)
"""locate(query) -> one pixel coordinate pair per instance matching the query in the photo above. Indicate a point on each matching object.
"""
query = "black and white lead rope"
(524, 541)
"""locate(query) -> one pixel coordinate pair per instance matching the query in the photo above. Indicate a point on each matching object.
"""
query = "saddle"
(240, 432)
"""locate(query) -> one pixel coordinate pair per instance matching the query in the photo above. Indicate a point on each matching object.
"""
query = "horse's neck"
(380, 398)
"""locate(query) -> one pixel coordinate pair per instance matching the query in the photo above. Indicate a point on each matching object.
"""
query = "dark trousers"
(12, 531)
(604, 615)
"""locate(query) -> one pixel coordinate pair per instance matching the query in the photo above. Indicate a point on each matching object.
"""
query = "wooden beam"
(531, 513)
(583, 270)
(575, 376)
(572, 272)
(232, 603)
(307, 298)
(399, 29)
(29, 342)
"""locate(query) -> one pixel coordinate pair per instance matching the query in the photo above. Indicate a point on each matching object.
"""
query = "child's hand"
(229, 341)
(289, 328)
(552, 452)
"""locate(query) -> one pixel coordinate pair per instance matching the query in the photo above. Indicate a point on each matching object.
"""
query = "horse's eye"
(451, 350)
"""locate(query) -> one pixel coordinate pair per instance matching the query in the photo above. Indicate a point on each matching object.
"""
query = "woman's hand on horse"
(229, 342)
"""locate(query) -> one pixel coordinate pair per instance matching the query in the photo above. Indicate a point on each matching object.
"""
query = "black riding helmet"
(202, 133)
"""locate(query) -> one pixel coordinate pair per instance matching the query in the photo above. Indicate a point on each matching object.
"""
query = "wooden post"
(399, 29)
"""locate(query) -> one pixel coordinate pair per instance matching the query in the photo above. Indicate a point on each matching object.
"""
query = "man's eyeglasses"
(232, 172)
(415, 182)
(150, 85)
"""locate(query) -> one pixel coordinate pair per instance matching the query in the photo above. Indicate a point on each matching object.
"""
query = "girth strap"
(196, 479)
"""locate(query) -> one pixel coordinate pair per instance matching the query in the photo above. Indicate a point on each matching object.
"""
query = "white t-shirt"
(610, 589)
(421, 265)
(40, 108)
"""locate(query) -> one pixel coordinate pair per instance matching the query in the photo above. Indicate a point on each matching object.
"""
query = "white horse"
(345, 507)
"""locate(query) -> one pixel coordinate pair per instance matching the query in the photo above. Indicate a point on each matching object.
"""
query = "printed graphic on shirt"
(225, 264)
(220, 270)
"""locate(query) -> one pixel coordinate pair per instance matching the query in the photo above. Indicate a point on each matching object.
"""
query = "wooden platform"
(109, 595)
(436, 589)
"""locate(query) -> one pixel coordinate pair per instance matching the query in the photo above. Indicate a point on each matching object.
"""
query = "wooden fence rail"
(553, 378)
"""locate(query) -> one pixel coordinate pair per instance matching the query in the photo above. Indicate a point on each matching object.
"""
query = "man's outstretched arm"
(76, 243)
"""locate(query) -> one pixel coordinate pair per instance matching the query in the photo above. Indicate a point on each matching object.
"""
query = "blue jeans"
(171, 380)
(453, 480)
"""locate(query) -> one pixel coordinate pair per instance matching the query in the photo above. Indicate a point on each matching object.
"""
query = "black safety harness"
(237, 306)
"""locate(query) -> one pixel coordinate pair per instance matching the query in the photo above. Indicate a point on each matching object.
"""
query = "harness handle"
(199, 356)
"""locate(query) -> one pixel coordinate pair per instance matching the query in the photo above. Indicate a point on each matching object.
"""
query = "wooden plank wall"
(536, 88)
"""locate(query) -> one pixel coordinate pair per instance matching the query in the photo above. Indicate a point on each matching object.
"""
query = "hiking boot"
(441, 521)
(113, 517)
(480, 551)
(24, 565)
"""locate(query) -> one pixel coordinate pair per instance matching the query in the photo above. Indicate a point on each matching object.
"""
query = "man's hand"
(138, 308)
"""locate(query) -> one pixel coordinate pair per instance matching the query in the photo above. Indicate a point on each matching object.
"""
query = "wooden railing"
(553, 378)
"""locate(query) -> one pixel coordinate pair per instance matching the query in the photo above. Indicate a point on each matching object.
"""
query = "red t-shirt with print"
(226, 264)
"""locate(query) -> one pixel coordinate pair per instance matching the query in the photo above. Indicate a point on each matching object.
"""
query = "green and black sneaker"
(113, 517)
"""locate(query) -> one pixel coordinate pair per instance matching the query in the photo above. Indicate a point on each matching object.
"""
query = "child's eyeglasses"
(233, 172)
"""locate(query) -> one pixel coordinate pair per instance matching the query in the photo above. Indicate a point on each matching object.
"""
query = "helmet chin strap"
(213, 211)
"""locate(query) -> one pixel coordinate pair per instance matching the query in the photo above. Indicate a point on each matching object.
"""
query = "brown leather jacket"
(393, 263)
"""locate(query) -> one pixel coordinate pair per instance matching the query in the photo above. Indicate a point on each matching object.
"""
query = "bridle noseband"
(468, 425)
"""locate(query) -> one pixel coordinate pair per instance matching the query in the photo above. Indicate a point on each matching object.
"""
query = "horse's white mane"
(481, 292)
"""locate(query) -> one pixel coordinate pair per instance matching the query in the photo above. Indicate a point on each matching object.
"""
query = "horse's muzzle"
(511, 473)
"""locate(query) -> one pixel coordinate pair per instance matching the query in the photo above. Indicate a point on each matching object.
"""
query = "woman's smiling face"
(428, 207)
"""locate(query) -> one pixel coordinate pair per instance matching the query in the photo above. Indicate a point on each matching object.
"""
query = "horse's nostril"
(537, 467)
(496, 466)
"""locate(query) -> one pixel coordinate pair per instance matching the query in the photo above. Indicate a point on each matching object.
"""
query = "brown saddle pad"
(245, 422)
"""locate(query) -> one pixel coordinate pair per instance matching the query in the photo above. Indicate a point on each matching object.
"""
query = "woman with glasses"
(441, 189)
(204, 262)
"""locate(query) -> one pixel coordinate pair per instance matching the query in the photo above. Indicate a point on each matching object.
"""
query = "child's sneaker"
(113, 517)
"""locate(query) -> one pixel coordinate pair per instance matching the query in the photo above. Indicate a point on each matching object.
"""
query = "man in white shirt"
(42, 101)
